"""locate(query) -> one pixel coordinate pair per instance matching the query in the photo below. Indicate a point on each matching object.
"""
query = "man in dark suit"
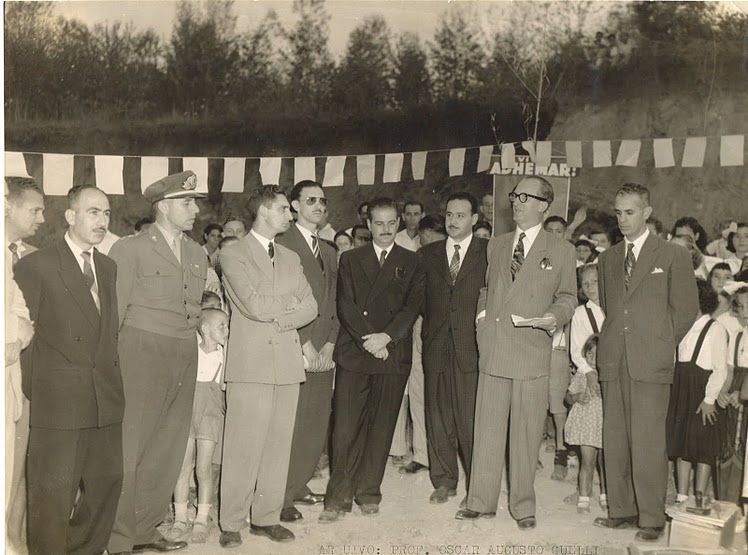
(72, 378)
(380, 290)
(455, 273)
(531, 274)
(649, 296)
(320, 264)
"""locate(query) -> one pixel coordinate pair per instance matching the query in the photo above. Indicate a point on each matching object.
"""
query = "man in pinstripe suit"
(531, 273)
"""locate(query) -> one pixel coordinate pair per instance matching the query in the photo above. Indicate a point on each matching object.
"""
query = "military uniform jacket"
(374, 300)
(269, 302)
(71, 368)
(156, 292)
(449, 309)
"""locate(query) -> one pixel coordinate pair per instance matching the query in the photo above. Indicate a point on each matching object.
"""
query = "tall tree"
(412, 82)
(364, 79)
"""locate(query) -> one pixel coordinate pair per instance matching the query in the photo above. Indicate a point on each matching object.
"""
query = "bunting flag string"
(116, 174)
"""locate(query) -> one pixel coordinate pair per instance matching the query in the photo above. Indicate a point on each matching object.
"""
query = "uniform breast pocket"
(196, 277)
(158, 281)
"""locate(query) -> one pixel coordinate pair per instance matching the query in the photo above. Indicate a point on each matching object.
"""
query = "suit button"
(185, 286)
(77, 338)
(188, 317)
(185, 303)
(497, 319)
(270, 342)
(366, 313)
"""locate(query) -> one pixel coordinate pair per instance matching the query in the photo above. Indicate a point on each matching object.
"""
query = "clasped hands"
(376, 344)
(318, 361)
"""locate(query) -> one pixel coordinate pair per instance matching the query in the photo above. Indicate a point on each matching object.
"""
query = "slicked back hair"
(464, 195)
(634, 189)
(262, 196)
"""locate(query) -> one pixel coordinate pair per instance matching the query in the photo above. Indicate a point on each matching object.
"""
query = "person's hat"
(179, 185)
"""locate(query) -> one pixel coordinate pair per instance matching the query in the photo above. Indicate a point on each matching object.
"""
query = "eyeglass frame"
(311, 201)
(514, 196)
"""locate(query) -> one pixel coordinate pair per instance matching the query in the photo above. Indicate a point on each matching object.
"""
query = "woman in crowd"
(737, 244)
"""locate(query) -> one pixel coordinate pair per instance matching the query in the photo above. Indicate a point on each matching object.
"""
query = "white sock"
(180, 512)
(680, 498)
(603, 497)
(583, 500)
(202, 512)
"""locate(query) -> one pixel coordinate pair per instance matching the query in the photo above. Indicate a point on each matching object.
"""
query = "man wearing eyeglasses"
(531, 274)
(319, 262)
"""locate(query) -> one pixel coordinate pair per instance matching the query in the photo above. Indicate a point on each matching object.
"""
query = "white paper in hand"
(520, 322)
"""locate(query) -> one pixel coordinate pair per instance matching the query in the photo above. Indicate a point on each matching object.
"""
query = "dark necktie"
(315, 251)
(454, 265)
(629, 264)
(382, 258)
(271, 252)
(519, 255)
(14, 253)
(88, 277)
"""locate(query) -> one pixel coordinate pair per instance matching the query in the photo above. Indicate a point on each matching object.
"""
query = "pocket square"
(657, 271)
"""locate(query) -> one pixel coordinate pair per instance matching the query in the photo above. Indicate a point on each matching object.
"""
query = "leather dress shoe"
(649, 534)
(467, 514)
(330, 515)
(162, 546)
(311, 499)
(230, 539)
(291, 514)
(412, 467)
(527, 523)
(275, 532)
(369, 509)
(442, 495)
(118, 553)
(615, 523)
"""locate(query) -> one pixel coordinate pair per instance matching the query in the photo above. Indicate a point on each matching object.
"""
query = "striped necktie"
(518, 257)
(315, 251)
(454, 265)
(382, 258)
(271, 252)
(89, 279)
(629, 264)
(14, 253)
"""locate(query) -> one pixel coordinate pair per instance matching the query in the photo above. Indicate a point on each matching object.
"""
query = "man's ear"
(70, 216)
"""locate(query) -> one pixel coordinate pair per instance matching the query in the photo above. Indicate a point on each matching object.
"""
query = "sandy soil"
(409, 525)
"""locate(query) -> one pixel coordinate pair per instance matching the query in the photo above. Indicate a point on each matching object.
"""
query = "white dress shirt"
(464, 245)
(713, 355)
(530, 236)
(77, 252)
(638, 243)
(209, 365)
(581, 330)
(307, 235)
(405, 241)
(264, 241)
(378, 251)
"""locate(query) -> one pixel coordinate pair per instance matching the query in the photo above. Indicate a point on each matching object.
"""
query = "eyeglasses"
(311, 201)
(524, 196)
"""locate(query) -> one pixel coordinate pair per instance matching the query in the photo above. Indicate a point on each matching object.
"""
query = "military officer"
(160, 280)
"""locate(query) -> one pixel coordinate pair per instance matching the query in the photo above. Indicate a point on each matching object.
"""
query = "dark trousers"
(450, 417)
(310, 433)
(635, 448)
(59, 463)
(365, 408)
(159, 374)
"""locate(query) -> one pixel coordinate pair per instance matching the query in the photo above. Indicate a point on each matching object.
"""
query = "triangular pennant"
(15, 165)
(418, 165)
(628, 153)
(574, 154)
(270, 169)
(601, 156)
(303, 169)
(334, 171)
(233, 175)
(508, 158)
(663, 153)
(365, 168)
(393, 167)
(58, 174)
(693, 152)
(456, 162)
(543, 154)
(109, 176)
(152, 168)
(484, 158)
(731, 150)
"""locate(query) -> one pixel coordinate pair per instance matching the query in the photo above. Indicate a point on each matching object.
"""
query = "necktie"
(88, 277)
(382, 258)
(629, 264)
(454, 265)
(315, 251)
(518, 257)
(175, 247)
(14, 253)
(271, 252)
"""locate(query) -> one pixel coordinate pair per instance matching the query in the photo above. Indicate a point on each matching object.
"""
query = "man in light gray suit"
(270, 299)
(531, 273)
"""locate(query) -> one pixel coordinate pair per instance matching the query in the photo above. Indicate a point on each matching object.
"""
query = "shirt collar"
(464, 244)
(264, 241)
(77, 251)
(306, 233)
(638, 242)
(22, 247)
(378, 250)
(592, 304)
(530, 234)
(167, 234)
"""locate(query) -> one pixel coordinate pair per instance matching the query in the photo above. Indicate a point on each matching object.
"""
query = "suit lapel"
(617, 255)
(440, 261)
(72, 277)
(537, 252)
(258, 254)
(159, 244)
(386, 273)
(645, 262)
(369, 263)
(310, 264)
(472, 257)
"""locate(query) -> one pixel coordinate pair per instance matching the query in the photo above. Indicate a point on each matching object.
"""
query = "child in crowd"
(206, 428)
(584, 427)
(695, 425)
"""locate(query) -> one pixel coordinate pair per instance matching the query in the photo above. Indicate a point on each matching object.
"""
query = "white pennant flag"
(543, 154)
(233, 175)
(628, 153)
(334, 167)
(693, 152)
(601, 156)
(731, 150)
(574, 154)
(152, 168)
(456, 162)
(393, 167)
(200, 167)
(529, 146)
(15, 165)
(365, 167)
(418, 165)
(109, 174)
(57, 174)
(508, 158)
(303, 169)
(663, 153)
(484, 158)
(270, 170)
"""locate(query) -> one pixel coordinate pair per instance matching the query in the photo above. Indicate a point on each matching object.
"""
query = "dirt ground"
(409, 525)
